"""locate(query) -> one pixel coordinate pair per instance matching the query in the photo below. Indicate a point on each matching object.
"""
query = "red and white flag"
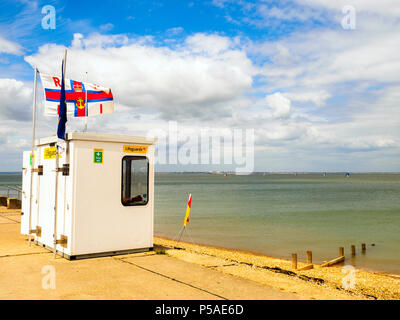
(83, 99)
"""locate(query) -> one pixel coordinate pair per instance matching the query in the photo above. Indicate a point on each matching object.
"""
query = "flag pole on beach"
(33, 154)
(86, 105)
(186, 221)
(61, 131)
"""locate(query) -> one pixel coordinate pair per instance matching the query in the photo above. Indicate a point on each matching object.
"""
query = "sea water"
(280, 214)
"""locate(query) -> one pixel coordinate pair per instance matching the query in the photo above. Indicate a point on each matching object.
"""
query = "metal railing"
(11, 191)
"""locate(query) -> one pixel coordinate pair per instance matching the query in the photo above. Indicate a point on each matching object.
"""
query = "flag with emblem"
(83, 99)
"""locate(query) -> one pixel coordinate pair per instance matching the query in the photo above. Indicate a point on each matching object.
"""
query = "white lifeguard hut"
(105, 195)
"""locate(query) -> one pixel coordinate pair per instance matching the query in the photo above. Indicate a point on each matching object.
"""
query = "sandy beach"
(317, 283)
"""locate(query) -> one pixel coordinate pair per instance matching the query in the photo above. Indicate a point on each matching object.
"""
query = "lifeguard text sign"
(135, 149)
(98, 155)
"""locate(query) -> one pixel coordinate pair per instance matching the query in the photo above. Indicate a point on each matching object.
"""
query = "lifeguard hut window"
(135, 181)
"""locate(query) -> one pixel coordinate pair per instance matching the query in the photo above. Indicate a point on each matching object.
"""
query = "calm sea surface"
(280, 214)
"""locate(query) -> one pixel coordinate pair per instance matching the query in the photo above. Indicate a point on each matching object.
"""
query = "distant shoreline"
(253, 173)
(10, 173)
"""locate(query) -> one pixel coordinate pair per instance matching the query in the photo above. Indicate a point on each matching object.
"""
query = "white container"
(105, 201)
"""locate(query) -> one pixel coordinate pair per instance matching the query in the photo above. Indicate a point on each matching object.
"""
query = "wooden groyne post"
(336, 260)
(363, 248)
(333, 262)
(309, 256)
(309, 264)
(3, 201)
(13, 203)
(294, 260)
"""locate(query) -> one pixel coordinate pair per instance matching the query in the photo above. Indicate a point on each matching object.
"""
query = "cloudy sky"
(320, 97)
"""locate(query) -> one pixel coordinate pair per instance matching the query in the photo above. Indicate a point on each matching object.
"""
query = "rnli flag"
(83, 99)
(189, 204)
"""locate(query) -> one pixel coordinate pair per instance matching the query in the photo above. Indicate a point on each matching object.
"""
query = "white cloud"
(183, 82)
(219, 3)
(23, 144)
(316, 97)
(10, 47)
(285, 13)
(370, 143)
(97, 40)
(386, 7)
(328, 57)
(15, 100)
(106, 27)
(279, 104)
(208, 44)
(174, 31)
(281, 133)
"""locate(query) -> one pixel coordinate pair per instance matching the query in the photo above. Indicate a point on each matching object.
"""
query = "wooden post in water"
(333, 262)
(341, 252)
(353, 250)
(363, 248)
(309, 256)
(294, 260)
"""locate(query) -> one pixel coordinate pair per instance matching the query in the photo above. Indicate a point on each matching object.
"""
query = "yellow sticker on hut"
(50, 153)
(135, 149)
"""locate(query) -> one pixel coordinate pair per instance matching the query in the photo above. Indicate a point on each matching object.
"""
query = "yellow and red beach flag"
(188, 211)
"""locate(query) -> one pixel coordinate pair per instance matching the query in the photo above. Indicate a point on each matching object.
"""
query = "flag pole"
(56, 169)
(186, 221)
(86, 105)
(33, 154)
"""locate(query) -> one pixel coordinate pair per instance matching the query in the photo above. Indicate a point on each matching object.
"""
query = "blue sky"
(319, 97)
(160, 19)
